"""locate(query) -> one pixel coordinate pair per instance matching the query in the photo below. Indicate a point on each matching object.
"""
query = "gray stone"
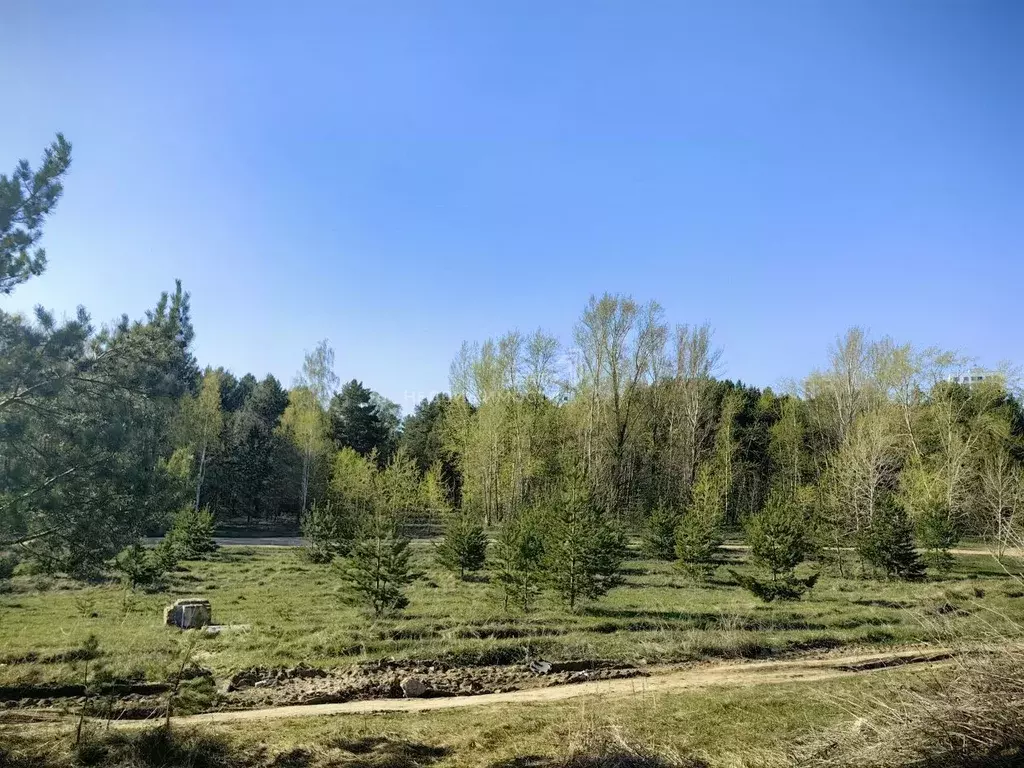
(413, 687)
(540, 667)
(191, 613)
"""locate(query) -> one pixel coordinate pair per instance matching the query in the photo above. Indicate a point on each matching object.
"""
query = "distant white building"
(975, 376)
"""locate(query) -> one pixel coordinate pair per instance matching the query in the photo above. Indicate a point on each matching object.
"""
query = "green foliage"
(519, 560)
(658, 539)
(938, 533)
(582, 551)
(778, 535)
(253, 479)
(699, 534)
(887, 543)
(138, 566)
(304, 426)
(191, 533)
(26, 198)
(423, 432)
(165, 555)
(84, 415)
(84, 430)
(697, 543)
(327, 530)
(8, 562)
(788, 588)
(464, 546)
(376, 572)
(363, 421)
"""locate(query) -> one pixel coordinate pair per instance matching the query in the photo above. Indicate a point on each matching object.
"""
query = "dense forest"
(107, 433)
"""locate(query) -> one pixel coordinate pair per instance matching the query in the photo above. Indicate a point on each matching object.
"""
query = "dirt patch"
(377, 686)
(382, 680)
(895, 661)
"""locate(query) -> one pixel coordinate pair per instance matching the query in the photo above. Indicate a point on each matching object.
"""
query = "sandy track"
(734, 674)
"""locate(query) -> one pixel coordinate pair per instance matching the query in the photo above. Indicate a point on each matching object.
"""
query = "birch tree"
(305, 419)
(203, 421)
(617, 345)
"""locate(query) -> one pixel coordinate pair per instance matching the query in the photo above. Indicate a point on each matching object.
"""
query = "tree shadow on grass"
(382, 752)
(699, 617)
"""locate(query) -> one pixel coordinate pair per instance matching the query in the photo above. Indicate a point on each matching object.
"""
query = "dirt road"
(737, 674)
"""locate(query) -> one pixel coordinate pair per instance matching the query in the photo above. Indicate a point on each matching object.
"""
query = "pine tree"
(376, 571)
(519, 556)
(191, 534)
(327, 530)
(138, 566)
(464, 546)
(699, 534)
(887, 543)
(582, 551)
(779, 541)
(360, 419)
(659, 535)
(26, 198)
(778, 536)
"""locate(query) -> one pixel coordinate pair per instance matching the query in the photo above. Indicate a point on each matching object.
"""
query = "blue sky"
(400, 176)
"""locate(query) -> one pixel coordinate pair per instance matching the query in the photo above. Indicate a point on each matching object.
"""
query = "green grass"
(296, 613)
(723, 726)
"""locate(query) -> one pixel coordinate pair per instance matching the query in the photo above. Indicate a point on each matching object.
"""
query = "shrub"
(658, 540)
(8, 562)
(464, 547)
(970, 717)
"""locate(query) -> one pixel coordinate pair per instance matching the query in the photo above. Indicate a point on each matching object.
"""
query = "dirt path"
(738, 674)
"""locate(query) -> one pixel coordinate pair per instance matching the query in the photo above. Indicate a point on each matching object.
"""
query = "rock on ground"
(413, 687)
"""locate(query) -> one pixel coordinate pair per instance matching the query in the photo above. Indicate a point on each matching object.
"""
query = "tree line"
(108, 434)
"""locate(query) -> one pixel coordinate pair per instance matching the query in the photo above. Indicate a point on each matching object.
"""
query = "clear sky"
(400, 176)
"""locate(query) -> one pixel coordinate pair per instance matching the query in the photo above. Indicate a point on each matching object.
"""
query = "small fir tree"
(887, 543)
(659, 535)
(138, 567)
(582, 552)
(326, 532)
(464, 546)
(938, 533)
(191, 534)
(779, 539)
(699, 534)
(377, 569)
(519, 557)
(778, 536)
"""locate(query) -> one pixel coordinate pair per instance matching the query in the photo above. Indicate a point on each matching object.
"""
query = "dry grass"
(971, 716)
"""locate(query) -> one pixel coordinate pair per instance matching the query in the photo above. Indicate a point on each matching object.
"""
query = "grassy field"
(295, 613)
(717, 727)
